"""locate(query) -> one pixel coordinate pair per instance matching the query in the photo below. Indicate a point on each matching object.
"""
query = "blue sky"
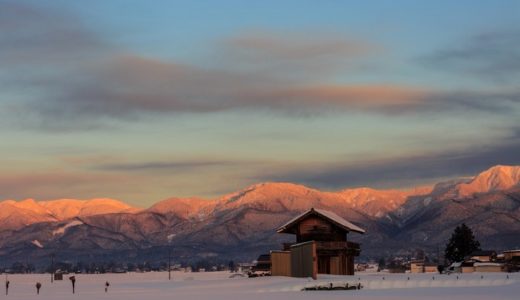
(142, 100)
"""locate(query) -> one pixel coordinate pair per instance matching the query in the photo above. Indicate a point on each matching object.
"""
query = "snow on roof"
(456, 264)
(327, 214)
(487, 264)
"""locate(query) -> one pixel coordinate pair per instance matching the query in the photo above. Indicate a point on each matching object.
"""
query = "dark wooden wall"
(317, 229)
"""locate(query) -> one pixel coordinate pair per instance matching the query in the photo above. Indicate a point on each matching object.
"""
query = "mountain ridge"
(242, 224)
(498, 177)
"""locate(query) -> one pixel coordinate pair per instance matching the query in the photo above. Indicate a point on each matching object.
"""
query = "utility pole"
(169, 263)
(52, 267)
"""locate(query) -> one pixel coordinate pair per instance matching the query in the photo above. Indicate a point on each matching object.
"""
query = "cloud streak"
(491, 55)
(418, 169)
(34, 36)
(295, 55)
(182, 165)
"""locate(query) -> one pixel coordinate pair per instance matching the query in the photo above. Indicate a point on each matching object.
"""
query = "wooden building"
(510, 255)
(421, 266)
(488, 267)
(483, 256)
(325, 233)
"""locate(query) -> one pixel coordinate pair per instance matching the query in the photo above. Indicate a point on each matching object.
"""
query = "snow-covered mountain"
(242, 224)
(495, 179)
(17, 214)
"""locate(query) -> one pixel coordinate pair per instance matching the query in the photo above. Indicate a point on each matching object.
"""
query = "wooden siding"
(318, 229)
(335, 265)
(281, 263)
(303, 260)
(350, 265)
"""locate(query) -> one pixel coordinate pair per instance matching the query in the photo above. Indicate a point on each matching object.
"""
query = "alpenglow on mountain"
(242, 225)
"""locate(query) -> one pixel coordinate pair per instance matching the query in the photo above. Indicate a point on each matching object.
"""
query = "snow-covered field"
(218, 285)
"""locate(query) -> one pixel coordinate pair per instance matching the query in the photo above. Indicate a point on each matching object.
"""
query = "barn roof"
(330, 216)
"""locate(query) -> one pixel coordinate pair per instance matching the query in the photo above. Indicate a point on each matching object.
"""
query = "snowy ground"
(218, 285)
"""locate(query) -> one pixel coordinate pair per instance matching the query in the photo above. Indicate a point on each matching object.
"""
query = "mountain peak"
(260, 190)
(498, 177)
(182, 207)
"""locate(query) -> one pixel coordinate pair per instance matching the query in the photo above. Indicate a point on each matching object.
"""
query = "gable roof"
(332, 217)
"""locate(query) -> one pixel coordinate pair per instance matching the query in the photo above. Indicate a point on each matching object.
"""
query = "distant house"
(467, 267)
(479, 261)
(421, 266)
(510, 255)
(488, 267)
(417, 266)
(321, 246)
(511, 258)
(263, 264)
(244, 267)
(483, 255)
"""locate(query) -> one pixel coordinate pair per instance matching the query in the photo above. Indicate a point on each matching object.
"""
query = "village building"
(511, 255)
(421, 266)
(488, 267)
(483, 255)
(321, 246)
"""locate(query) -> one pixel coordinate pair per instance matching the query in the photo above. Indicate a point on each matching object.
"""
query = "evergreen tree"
(461, 244)
(382, 263)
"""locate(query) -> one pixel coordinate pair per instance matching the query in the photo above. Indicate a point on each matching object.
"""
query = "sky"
(145, 100)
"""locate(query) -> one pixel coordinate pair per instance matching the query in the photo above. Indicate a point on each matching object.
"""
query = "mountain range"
(241, 225)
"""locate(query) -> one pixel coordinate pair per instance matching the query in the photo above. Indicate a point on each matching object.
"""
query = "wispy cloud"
(32, 35)
(295, 55)
(89, 83)
(179, 165)
(492, 55)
